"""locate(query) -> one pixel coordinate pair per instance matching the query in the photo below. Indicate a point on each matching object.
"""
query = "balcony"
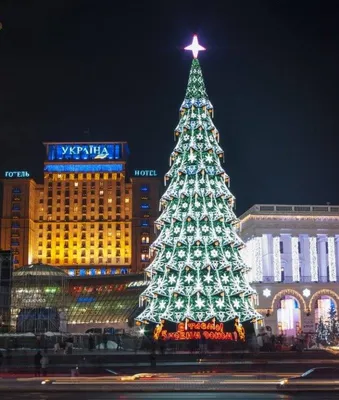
(289, 279)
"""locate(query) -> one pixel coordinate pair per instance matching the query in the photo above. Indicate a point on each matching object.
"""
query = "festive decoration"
(331, 259)
(259, 273)
(276, 259)
(266, 292)
(295, 259)
(306, 293)
(313, 258)
(197, 273)
(195, 47)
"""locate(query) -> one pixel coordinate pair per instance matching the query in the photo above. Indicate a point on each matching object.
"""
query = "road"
(167, 396)
(156, 383)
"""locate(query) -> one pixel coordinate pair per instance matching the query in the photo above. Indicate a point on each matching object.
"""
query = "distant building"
(293, 253)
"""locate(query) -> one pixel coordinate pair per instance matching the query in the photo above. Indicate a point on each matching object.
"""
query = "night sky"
(271, 69)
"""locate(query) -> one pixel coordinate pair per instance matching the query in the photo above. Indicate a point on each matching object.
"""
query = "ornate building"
(293, 253)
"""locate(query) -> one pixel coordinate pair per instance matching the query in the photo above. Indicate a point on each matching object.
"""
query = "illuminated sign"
(197, 330)
(83, 168)
(84, 151)
(145, 172)
(17, 174)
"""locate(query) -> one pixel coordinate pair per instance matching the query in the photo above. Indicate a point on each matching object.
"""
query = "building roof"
(42, 270)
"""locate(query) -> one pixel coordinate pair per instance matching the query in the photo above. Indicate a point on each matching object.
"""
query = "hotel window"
(109, 251)
(40, 253)
(117, 253)
(117, 244)
(126, 261)
(101, 192)
(145, 238)
(48, 260)
(40, 244)
(91, 261)
(48, 253)
(91, 252)
(109, 260)
(57, 252)
(75, 261)
(57, 261)
(74, 252)
(109, 200)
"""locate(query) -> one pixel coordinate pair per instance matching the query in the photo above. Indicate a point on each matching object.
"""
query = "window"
(281, 247)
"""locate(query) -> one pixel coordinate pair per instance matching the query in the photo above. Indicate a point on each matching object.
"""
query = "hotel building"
(293, 253)
(80, 218)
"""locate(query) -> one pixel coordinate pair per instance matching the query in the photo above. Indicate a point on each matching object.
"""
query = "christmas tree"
(322, 333)
(197, 273)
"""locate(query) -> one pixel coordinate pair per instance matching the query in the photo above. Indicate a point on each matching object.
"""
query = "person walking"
(119, 343)
(37, 363)
(44, 363)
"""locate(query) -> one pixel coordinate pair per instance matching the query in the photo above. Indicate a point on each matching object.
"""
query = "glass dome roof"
(41, 270)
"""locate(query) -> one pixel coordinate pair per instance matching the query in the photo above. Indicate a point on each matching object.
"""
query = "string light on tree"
(197, 252)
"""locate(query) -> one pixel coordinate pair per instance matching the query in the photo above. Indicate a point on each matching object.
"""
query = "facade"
(146, 189)
(80, 217)
(293, 253)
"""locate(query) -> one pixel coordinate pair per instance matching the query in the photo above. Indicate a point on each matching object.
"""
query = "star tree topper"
(195, 47)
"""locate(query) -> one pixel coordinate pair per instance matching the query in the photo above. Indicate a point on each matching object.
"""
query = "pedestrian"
(44, 363)
(119, 343)
(90, 342)
(104, 341)
(37, 363)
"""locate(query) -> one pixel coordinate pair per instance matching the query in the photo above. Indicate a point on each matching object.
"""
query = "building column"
(332, 270)
(336, 249)
(257, 257)
(322, 258)
(276, 258)
(313, 258)
(295, 258)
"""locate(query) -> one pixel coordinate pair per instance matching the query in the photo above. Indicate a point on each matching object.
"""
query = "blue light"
(103, 271)
(82, 272)
(144, 188)
(84, 151)
(85, 299)
(123, 271)
(83, 168)
(113, 271)
(144, 206)
(144, 223)
(92, 271)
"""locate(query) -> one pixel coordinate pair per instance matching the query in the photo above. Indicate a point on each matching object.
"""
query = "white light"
(276, 259)
(306, 293)
(266, 292)
(331, 259)
(195, 47)
(295, 259)
(313, 258)
(258, 260)
(141, 331)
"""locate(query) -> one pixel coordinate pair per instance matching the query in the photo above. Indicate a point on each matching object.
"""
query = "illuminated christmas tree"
(197, 273)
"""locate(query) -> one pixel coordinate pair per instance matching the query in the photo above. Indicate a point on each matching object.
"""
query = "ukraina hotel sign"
(84, 151)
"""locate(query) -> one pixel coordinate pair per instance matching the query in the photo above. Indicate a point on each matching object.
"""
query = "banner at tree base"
(190, 330)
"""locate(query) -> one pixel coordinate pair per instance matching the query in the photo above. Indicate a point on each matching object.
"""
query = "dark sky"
(271, 71)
